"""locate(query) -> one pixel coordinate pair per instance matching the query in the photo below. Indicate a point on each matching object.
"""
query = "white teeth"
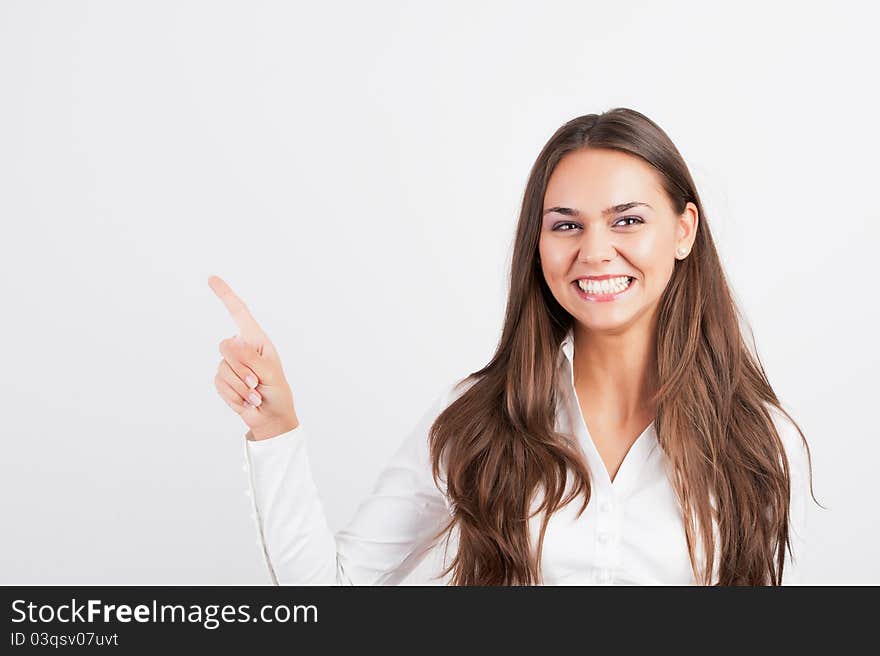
(610, 285)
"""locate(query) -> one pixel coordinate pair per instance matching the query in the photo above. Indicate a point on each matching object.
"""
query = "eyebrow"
(614, 209)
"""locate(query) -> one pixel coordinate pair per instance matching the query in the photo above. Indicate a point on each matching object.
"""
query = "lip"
(604, 277)
(601, 298)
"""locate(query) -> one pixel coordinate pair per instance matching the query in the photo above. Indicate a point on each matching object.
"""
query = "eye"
(630, 218)
(634, 219)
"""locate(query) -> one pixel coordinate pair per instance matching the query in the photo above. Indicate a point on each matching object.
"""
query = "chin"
(609, 325)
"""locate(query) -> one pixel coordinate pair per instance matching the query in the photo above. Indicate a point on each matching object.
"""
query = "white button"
(244, 467)
(603, 538)
(247, 492)
(605, 506)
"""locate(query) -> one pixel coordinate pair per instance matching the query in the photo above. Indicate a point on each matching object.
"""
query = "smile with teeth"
(607, 286)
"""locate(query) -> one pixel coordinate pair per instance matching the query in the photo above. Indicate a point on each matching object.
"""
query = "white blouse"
(631, 533)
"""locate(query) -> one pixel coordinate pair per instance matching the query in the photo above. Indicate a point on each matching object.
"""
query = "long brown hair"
(498, 441)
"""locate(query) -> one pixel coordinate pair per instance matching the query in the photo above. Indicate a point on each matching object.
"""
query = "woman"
(621, 432)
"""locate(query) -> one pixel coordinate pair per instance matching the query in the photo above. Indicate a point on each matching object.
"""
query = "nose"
(596, 246)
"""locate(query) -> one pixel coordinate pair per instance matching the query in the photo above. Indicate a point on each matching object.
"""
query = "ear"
(686, 231)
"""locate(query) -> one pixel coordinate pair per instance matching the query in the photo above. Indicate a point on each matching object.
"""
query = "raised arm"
(394, 526)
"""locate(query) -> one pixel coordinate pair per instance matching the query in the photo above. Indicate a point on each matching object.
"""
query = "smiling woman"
(621, 379)
(614, 260)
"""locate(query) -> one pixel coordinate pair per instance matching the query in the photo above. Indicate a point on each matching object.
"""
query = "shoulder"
(801, 488)
(417, 442)
(446, 395)
(797, 454)
(792, 441)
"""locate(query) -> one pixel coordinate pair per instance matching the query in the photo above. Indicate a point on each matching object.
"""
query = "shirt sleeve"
(389, 535)
(800, 493)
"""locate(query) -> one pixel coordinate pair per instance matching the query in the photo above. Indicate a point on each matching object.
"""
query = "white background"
(354, 170)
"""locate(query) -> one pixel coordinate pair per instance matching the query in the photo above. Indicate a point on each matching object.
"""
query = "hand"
(251, 365)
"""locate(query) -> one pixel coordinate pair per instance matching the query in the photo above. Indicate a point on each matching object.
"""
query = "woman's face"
(589, 230)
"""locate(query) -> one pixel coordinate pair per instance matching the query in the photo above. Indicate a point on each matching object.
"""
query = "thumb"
(261, 357)
(262, 347)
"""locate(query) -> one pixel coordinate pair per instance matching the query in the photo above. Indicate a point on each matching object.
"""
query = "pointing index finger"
(247, 325)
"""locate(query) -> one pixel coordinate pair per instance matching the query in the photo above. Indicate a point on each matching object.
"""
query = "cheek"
(651, 254)
(555, 261)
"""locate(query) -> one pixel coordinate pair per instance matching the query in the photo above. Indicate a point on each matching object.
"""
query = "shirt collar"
(567, 346)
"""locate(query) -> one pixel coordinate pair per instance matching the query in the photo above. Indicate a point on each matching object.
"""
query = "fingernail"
(251, 381)
(255, 398)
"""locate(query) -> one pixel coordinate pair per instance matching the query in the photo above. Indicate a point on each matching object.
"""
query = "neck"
(616, 372)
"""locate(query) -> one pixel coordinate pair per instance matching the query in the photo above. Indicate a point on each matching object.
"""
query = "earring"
(682, 252)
